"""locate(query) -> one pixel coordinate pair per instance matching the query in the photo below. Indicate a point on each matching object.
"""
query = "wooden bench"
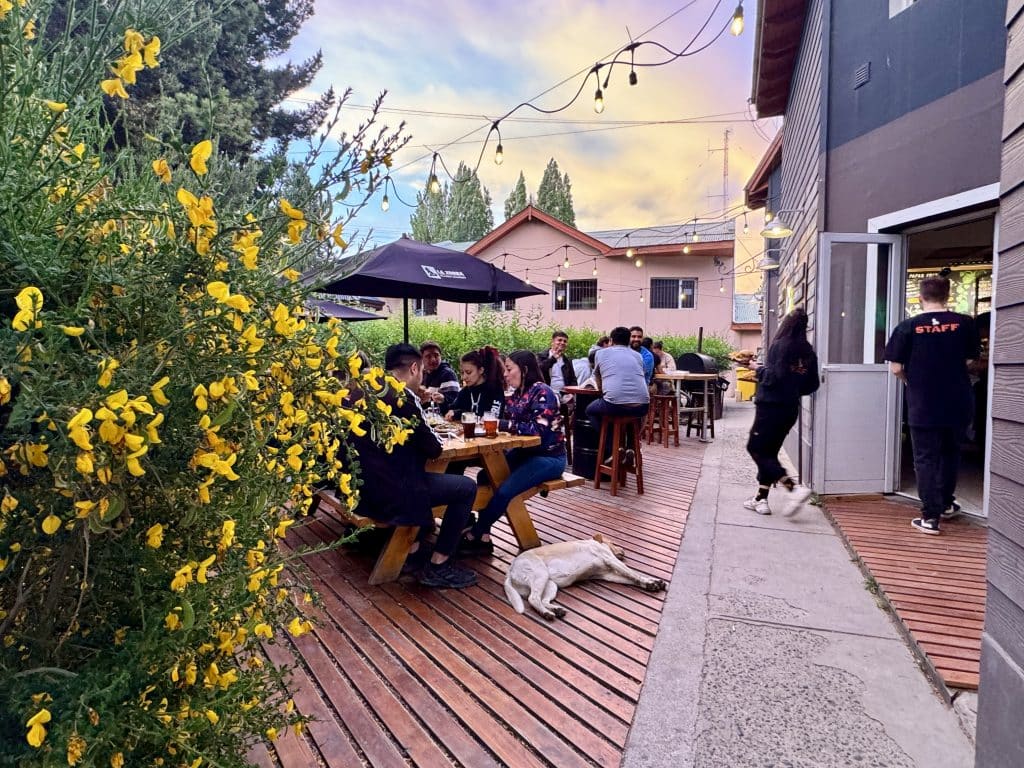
(391, 559)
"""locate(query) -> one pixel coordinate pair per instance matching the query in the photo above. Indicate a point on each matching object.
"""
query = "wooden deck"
(401, 675)
(935, 584)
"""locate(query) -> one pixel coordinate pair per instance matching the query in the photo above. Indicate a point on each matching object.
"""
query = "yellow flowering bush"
(167, 408)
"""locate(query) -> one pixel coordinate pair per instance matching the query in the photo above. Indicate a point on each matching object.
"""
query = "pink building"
(662, 278)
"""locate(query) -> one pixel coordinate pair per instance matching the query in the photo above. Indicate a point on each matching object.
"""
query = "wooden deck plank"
(936, 585)
(457, 677)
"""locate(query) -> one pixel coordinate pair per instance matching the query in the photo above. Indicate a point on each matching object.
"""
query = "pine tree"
(429, 220)
(554, 196)
(468, 216)
(516, 200)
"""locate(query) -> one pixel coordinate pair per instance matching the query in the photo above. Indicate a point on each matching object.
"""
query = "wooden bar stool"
(663, 418)
(620, 427)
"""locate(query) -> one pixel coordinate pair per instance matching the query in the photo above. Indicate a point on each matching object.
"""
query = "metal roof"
(453, 246)
(712, 231)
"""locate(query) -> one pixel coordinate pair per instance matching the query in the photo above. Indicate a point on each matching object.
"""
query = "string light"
(696, 237)
(746, 229)
(686, 249)
(559, 278)
(598, 101)
(594, 272)
(736, 27)
(566, 262)
(385, 203)
(528, 276)
(641, 295)
(638, 263)
(499, 156)
(600, 298)
(433, 184)
(721, 285)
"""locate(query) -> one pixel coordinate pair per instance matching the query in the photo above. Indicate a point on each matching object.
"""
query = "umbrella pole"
(405, 319)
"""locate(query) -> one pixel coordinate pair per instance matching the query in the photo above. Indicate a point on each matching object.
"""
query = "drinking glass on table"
(490, 425)
(468, 425)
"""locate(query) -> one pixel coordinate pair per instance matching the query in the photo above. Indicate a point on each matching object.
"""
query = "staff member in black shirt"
(930, 354)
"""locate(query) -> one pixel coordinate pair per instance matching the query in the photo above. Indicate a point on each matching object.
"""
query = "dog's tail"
(513, 596)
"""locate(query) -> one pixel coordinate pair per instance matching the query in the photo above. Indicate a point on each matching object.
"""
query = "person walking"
(531, 409)
(789, 372)
(931, 354)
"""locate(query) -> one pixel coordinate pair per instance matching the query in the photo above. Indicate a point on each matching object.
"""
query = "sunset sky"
(476, 60)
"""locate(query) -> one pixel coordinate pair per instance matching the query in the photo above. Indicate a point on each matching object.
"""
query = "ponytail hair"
(488, 360)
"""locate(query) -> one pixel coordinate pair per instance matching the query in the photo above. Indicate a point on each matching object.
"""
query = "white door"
(858, 305)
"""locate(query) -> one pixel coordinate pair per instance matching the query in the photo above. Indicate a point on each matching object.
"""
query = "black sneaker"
(414, 563)
(468, 546)
(447, 575)
(952, 512)
(930, 527)
(629, 458)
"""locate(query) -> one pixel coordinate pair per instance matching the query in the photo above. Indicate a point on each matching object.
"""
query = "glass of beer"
(490, 425)
(468, 425)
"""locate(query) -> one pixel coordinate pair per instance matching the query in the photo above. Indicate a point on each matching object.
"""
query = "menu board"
(970, 290)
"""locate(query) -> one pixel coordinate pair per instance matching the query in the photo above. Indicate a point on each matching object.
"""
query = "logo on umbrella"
(442, 274)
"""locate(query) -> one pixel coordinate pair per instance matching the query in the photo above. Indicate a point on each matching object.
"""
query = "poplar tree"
(554, 196)
(516, 200)
(469, 215)
(429, 220)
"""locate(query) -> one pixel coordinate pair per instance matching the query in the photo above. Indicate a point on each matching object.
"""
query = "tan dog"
(536, 574)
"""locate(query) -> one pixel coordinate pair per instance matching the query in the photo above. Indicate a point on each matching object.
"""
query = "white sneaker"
(757, 505)
(795, 499)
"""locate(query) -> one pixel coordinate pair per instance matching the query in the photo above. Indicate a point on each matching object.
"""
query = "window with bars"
(424, 307)
(505, 305)
(673, 293)
(574, 294)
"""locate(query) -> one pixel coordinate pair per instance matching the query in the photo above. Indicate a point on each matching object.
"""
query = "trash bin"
(746, 384)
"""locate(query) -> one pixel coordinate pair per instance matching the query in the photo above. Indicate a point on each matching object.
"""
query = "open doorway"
(961, 248)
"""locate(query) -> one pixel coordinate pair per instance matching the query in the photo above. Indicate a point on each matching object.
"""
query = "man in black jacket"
(556, 365)
(397, 489)
(440, 385)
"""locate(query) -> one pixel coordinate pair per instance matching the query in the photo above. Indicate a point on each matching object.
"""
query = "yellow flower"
(5, 390)
(338, 240)
(239, 302)
(271, 733)
(84, 508)
(182, 578)
(150, 51)
(218, 290)
(117, 761)
(291, 274)
(212, 716)
(227, 535)
(114, 87)
(107, 367)
(51, 524)
(36, 731)
(72, 330)
(128, 67)
(76, 748)
(134, 467)
(133, 41)
(157, 391)
(291, 212)
(355, 365)
(282, 528)
(155, 536)
(29, 30)
(263, 630)
(56, 106)
(83, 463)
(172, 622)
(298, 627)
(29, 299)
(9, 504)
(200, 154)
(162, 170)
(201, 572)
(295, 229)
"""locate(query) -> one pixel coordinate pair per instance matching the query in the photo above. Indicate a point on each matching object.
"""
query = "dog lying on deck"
(536, 574)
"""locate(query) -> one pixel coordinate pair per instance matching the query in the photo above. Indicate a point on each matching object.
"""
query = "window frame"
(566, 288)
(420, 307)
(679, 281)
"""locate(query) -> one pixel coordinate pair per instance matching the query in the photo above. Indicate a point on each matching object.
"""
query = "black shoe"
(926, 526)
(952, 511)
(447, 575)
(470, 522)
(468, 546)
(629, 458)
(417, 560)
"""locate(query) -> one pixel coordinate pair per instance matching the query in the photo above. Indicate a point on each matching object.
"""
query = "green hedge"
(508, 331)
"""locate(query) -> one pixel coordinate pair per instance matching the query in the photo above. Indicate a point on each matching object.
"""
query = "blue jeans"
(527, 472)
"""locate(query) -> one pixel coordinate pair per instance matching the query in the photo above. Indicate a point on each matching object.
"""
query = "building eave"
(755, 193)
(530, 213)
(779, 29)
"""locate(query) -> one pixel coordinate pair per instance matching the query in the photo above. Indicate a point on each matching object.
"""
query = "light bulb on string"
(736, 26)
(686, 249)
(434, 185)
(558, 279)
(638, 263)
(527, 280)
(721, 286)
(632, 77)
(696, 237)
(598, 101)
(746, 229)
(594, 271)
(600, 298)
(566, 262)
(641, 295)
(499, 156)
(385, 203)
(630, 253)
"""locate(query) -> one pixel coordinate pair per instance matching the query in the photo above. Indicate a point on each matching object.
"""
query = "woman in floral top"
(532, 409)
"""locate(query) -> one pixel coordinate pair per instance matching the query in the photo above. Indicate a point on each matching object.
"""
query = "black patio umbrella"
(409, 269)
(341, 311)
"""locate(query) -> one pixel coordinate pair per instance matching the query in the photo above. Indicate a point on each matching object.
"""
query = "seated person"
(483, 385)
(531, 409)
(619, 371)
(555, 365)
(397, 489)
(636, 341)
(668, 363)
(591, 381)
(440, 384)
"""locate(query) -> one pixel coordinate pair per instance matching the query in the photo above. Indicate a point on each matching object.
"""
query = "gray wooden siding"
(802, 171)
(1000, 738)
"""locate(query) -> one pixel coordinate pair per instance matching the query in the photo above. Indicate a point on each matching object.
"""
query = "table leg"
(708, 405)
(518, 516)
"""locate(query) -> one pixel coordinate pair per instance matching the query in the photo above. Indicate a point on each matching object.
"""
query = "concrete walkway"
(772, 652)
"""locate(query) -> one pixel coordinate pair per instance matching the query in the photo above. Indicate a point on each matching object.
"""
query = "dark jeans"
(600, 408)
(936, 462)
(458, 492)
(772, 422)
(527, 471)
